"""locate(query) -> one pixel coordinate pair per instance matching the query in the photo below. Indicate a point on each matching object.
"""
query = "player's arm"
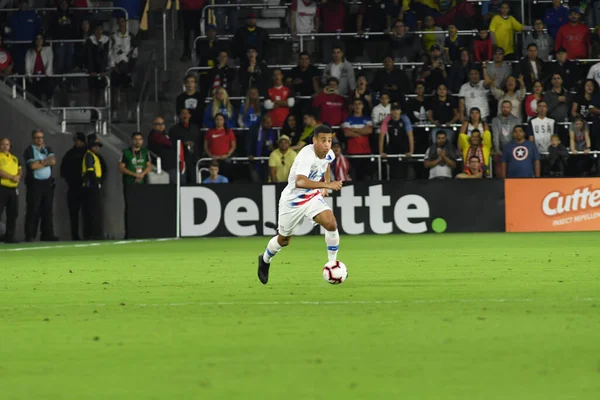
(302, 182)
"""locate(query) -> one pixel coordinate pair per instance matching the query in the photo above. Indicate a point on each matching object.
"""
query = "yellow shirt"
(10, 165)
(504, 32)
(282, 163)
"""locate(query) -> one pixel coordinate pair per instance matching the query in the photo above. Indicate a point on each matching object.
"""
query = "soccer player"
(303, 198)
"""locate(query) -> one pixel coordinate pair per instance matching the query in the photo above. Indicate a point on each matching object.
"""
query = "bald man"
(10, 176)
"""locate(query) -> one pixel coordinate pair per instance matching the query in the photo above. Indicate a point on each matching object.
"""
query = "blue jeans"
(63, 58)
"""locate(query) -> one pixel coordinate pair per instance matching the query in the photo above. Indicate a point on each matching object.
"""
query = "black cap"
(93, 140)
(561, 50)
(396, 106)
(79, 136)
(322, 129)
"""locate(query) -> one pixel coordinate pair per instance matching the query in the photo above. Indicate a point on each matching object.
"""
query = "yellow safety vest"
(10, 165)
(97, 167)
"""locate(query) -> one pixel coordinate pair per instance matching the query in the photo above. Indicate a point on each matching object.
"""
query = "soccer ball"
(335, 274)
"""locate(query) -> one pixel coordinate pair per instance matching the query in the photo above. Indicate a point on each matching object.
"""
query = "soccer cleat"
(263, 270)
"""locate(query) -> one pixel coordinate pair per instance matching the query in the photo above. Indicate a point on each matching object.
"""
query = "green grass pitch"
(486, 316)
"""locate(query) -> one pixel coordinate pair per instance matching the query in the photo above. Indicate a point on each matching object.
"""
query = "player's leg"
(332, 237)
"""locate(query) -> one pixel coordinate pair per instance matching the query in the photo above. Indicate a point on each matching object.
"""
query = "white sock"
(272, 249)
(332, 238)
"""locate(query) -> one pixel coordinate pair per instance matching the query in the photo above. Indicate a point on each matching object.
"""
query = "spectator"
(6, 60)
(596, 43)
(566, 68)
(330, 104)
(291, 129)
(476, 149)
(219, 142)
(304, 19)
(474, 95)
(279, 100)
(558, 99)
(440, 158)
(221, 76)
(80, 59)
(333, 17)
(251, 110)
(472, 170)
(191, 15)
(475, 122)
(122, 57)
(490, 8)
(532, 67)
(580, 142)
(220, 105)
(191, 99)
(250, 36)
(533, 99)
(259, 143)
(434, 69)
(165, 148)
(543, 41)
(541, 128)
(70, 171)
(398, 131)
(304, 78)
(190, 136)
(10, 176)
(594, 73)
(92, 174)
(502, 128)
(40, 189)
(254, 72)
(574, 37)
(510, 92)
(231, 13)
(391, 80)
(521, 158)
(497, 69)
(371, 17)
(416, 108)
(583, 100)
(38, 64)
(136, 162)
(459, 72)
(357, 129)
(483, 46)
(403, 45)
(281, 160)
(401, 12)
(98, 49)
(340, 167)
(310, 123)
(436, 37)
(443, 110)
(382, 110)
(134, 9)
(341, 70)
(503, 28)
(555, 17)
(214, 176)
(453, 44)
(23, 26)
(208, 49)
(63, 26)
(557, 159)
(363, 93)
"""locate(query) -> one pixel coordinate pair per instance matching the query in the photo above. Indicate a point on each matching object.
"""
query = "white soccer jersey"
(475, 96)
(595, 73)
(308, 164)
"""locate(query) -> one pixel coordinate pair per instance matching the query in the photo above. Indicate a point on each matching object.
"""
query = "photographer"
(123, 54)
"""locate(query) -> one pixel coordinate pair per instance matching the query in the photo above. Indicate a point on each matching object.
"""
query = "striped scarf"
(341, 169)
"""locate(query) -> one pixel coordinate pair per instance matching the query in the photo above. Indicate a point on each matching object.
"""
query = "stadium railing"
(66, 113)
(171, 8)
(151, 72)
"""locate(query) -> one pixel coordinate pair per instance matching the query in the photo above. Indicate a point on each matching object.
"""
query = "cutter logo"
(557, 203)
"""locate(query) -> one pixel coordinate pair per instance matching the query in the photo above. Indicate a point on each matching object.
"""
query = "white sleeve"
(592, 71)
(304, 163)
(291, 101)
(462, 92)
(269, 104)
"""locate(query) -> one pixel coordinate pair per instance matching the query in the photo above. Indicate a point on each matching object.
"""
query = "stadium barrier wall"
(150, 211)
(360, 208)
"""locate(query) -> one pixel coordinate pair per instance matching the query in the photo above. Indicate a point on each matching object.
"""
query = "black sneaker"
(263, 270)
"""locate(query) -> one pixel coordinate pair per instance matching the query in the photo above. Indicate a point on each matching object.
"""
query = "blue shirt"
(520, 159)
(43, 173)
(554, 19)
(220, 179)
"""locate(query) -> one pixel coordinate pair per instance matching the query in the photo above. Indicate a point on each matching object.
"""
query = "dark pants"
(75, 205)
(191, 24)
(92, 213)
(40, 202)
(401, 169)
(9, 200)
(42, 89)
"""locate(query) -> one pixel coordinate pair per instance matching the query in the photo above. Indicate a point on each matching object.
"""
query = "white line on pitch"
(76, 245)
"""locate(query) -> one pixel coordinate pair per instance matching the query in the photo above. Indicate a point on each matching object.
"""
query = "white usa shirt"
(308, 164)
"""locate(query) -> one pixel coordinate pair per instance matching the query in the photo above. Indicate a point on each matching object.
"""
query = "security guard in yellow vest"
(91, 173)
(10, 176)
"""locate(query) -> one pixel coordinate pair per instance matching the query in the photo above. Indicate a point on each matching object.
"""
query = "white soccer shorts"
(290, 218)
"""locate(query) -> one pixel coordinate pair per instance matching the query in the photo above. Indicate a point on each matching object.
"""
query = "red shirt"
(575, 39)
(279, 114)
(38, 67)
(482, 50)
(219, 141)
(333, 15)
(332, 108)
(191, 4)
